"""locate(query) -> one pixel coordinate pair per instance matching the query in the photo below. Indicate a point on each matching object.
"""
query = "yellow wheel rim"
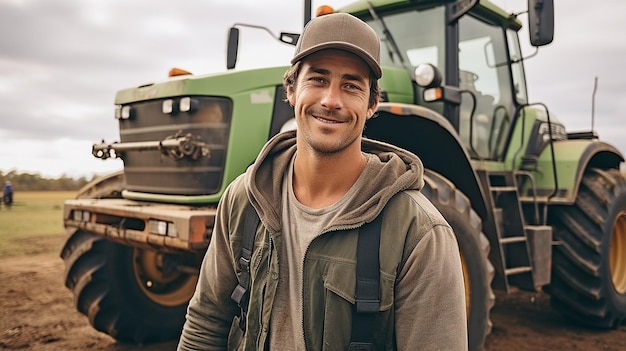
(617, 253)
(167, 287)
(468, 290)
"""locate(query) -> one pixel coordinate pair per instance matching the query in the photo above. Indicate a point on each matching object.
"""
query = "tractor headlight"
(162, 228)
(123, 112)
(82, 216)
(167, 106)
(557, 130)
(427, 75)
(188, 104)
(127, 112)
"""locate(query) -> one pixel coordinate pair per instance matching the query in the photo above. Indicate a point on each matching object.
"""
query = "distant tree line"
(35, 182)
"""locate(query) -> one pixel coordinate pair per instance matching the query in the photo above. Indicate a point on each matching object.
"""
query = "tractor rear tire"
(478, 272)
(589, 262)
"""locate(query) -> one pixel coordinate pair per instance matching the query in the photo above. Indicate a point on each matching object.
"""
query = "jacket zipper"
(269, 259)
(269, 271)
(304, 260)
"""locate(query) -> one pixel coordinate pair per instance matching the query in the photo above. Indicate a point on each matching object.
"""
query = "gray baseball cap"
(340, 31)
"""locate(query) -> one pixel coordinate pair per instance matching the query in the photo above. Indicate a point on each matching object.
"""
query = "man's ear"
(291, 96)
(371, 111)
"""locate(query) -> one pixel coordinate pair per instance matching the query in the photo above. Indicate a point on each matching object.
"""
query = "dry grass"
(34, 224)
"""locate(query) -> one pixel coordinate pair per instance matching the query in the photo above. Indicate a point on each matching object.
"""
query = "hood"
(390, 170)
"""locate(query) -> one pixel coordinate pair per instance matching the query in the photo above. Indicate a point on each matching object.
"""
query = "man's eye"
(353, 87)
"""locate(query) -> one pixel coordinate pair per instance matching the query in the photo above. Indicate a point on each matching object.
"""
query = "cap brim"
(342, 45)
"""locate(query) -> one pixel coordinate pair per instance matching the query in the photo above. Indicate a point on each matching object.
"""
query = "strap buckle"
(244, 263)
(367, 306)
(238, 294)
(361, 346)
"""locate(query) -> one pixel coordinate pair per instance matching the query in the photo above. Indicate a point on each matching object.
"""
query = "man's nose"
(332, 98)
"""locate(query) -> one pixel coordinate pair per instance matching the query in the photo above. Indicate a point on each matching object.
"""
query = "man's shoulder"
(414, 205)
(238, 185)
(235, 195)
(409, 218)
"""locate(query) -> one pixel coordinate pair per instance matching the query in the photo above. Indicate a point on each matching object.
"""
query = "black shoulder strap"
(241, 295)
(367, 286)
(367, 279)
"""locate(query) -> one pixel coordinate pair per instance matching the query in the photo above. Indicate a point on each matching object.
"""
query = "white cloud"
(64, 60)
(69, 157)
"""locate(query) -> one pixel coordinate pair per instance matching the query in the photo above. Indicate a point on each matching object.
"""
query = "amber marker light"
(178, 72)
(324, 10)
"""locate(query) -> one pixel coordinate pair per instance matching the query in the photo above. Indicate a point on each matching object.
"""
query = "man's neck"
(321, 180)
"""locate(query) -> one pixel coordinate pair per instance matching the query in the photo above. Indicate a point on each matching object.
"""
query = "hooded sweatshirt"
(421, 284)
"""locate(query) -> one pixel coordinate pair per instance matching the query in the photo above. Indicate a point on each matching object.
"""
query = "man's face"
(330, 98)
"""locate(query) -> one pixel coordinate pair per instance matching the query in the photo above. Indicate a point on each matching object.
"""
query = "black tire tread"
(98, 272)
(581, 284)
(446, 197)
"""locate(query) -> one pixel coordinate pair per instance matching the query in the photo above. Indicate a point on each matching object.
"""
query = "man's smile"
(322, 119)
(329, 117)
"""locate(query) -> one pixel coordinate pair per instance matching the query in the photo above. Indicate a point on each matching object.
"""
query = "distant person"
(7, 197)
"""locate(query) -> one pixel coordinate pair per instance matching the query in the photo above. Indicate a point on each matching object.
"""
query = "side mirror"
(289, 38)
(541, 21)
(233, 47)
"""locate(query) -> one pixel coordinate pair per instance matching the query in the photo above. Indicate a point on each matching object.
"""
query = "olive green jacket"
(421, 284)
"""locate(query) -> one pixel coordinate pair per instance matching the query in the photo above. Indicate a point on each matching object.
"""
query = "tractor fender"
(573, 158)
(432, 138)
(107, 186)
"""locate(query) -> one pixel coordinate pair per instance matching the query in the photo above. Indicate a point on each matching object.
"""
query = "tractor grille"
(206, 119)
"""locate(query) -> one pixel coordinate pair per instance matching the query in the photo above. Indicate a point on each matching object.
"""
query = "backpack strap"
(241, 294)
(367, 294)
(367, 301)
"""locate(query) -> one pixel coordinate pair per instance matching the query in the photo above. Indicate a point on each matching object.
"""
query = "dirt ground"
(37, 313)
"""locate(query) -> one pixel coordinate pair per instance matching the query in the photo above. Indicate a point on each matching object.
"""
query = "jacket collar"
(393, 170)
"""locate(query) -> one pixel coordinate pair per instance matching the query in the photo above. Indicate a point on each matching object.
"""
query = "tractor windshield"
(486, 77)
(419, 36)
(484, 72)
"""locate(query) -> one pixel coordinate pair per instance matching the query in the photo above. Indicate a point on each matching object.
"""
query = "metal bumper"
(164, 227)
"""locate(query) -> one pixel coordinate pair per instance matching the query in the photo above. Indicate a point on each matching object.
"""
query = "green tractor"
(533, 206)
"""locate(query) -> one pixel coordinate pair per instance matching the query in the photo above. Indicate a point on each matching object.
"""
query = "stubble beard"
(322, 147)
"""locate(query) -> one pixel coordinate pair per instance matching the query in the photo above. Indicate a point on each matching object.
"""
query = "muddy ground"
(37, 313)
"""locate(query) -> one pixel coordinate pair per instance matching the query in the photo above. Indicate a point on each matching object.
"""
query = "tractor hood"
(221, 84)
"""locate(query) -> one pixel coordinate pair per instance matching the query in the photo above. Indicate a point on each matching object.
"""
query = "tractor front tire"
(135, 295)
(478, 272)
(124, 291)
(589, 261)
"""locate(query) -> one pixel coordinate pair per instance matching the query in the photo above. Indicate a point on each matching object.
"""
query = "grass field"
(34, 224)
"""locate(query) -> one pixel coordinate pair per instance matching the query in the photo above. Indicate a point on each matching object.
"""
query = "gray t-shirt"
(300, 225)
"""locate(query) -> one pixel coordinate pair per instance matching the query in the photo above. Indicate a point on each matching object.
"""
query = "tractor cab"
(484, 84)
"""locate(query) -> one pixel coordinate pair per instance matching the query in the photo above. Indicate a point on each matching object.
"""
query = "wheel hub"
(159, 279)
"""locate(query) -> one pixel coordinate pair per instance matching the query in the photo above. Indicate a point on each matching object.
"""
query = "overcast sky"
(61, 62)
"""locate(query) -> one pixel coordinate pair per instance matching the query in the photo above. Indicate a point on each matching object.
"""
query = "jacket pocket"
(339, 301)
(235, 335)
(341, 281)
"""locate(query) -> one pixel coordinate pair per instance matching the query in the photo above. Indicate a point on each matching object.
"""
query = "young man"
(313, 191)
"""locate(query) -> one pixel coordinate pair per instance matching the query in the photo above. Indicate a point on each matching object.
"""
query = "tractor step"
(540, 249)
(518, 254)
(518, 270)
(503, 189)
(513, 239)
